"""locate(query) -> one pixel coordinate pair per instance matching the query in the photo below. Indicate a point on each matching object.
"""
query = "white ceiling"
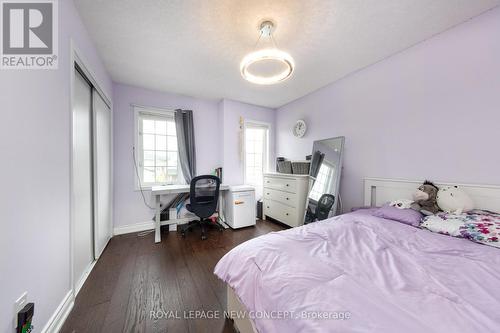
(194, 47)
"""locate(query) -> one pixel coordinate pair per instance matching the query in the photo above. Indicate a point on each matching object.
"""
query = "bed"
(360, 273)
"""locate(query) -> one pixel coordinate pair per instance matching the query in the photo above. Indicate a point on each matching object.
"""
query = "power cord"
(139, 179)
(147, 232)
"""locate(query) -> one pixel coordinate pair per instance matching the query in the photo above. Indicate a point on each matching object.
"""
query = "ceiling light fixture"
(268, 59)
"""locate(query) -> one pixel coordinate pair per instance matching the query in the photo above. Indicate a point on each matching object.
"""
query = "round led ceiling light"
(267, 66)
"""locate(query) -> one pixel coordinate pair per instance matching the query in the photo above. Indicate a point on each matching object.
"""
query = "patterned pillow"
(443, 223)
(479, 226)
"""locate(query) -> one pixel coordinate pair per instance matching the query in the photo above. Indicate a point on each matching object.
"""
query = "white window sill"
(144, 189)
(148, 188)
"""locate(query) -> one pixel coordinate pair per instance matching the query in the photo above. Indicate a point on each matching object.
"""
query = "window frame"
(139, 152)
(265, 163)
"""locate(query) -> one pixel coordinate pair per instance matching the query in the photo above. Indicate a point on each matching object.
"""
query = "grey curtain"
(185, 141)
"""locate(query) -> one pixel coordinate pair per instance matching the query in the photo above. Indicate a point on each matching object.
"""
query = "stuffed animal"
(401, 203)
(425, 199)
(452, 199)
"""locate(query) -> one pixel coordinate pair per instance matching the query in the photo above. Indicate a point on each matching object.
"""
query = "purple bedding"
(385, 276)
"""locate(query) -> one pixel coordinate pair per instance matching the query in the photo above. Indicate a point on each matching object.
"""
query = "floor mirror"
(325, 172)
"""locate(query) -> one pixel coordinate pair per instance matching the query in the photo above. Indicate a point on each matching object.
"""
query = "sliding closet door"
(82, 178)
(102, 174)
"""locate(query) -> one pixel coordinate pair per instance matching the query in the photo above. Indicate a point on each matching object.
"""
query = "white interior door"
(83, 244)
(102, 174)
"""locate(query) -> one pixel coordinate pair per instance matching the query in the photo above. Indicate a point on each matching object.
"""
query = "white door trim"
(76, 57)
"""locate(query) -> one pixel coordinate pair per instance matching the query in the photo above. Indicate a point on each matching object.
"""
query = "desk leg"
(157, 220)
(222, 216)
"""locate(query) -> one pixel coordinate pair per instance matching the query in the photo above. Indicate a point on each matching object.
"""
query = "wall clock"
(300, 128)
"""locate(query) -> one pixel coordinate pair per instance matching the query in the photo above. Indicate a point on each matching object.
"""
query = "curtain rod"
(170, 109)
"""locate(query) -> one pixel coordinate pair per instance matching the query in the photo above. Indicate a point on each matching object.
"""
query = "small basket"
(284, 167)
(301, 167)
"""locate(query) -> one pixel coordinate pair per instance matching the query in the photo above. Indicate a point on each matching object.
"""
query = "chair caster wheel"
(203, 237)
(183, 234)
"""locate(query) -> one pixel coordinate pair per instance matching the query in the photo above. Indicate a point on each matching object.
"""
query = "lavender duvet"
(360, 273)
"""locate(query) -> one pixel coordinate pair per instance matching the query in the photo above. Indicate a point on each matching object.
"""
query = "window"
(323, 181)
(156, 153)
(256, 154)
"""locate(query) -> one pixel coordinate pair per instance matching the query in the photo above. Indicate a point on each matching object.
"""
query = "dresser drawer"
(289, 199)
(280, 212)
(282, 184)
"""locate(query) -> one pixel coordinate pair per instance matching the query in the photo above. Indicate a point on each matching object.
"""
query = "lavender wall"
(216, 126)
(431, 111)
(35, 145)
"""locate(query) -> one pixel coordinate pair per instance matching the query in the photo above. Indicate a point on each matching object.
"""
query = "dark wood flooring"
(135, 276)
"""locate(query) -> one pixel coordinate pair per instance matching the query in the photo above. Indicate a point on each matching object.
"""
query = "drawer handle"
(267, 206)
(267, 181)
(287, 184)
(286, 214)
(287, 199)
(268, 193)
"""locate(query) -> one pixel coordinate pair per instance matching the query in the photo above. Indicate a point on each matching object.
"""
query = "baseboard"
(57, 320)
(149, 225)
(130, 228)
(85, 275)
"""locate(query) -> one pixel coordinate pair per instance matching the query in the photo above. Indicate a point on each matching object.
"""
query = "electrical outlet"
(19, 304)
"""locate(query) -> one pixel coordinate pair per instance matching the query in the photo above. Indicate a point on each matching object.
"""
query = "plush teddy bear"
(425, 199)
(452, 199)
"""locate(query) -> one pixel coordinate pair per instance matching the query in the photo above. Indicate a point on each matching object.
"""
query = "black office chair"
(323, 208)
(325, 204)
(204, 195)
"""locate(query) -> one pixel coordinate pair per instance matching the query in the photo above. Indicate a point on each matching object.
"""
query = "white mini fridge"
(240, 206)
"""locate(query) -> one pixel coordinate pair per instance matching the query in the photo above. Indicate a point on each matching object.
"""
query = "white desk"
(158, 191)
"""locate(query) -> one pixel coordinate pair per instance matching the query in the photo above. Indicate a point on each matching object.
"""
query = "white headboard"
(378, 191)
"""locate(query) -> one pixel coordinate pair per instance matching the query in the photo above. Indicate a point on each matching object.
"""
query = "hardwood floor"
(135, 276)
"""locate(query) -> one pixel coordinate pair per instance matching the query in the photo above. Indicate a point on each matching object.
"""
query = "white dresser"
(285, 197)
